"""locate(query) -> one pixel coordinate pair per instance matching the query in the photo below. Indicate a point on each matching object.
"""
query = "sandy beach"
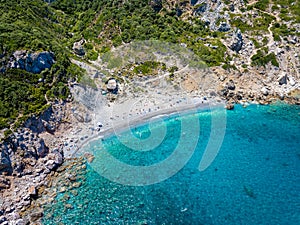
(96, 113)
(116, 117)
(138, 120)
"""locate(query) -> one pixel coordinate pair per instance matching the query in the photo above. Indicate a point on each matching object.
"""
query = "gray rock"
(201, 9)
(32, 191)
(50, 164)
(230, 106)
(264, 91)
(36, 216)
(20, 222)
(41, 148)
(194, 2)
(230, 85)
(237, 41)
(5, 162)
(292, 81)
(282, 80)
(224, 27)
(31, 62)
(223, 92)
(3, 219)
(4, 183)
(156, 5)
(178, 12)
(78, 47)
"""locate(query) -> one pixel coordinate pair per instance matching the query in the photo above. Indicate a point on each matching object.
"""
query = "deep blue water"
(254, 179)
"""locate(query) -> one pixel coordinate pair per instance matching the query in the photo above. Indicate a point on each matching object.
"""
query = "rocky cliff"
(25, 163)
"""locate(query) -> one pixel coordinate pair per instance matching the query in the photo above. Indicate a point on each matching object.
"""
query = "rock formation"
(31, 62)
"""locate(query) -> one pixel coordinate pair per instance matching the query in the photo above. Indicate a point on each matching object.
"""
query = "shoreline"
(140, 120)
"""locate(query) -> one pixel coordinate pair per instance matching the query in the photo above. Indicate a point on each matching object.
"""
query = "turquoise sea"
(254, 178)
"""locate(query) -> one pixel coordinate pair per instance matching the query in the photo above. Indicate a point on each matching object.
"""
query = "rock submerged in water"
(89, 157)
(230, 106)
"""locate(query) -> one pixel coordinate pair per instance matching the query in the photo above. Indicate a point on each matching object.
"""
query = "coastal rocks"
(31, 62)
(4, 183)
(48, 121)
(89, 157)
(36, 216)
(230, 85)
(5, 164)
(264, 91)
(229, 106)
(55, 159)
(32, 191)
(237, 41)
(31, 162)
(78, 47)
(23, 153)
(282, 79)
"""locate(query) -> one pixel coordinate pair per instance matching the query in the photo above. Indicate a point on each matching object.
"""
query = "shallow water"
(254, 179)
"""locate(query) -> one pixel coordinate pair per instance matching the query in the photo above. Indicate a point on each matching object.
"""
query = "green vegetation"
(31, 25)
(122, 22)
(262, 59)
(261, 23)
(148, 67)
(35, 25)
(262, 4)
(289, 10)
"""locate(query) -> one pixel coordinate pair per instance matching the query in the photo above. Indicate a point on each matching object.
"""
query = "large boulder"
(156, 5)
(202, 8)
(237, 41)
(282, 79)
(48, 121)
(224, 27)
(31, 62)
(4, 183)
(5, 162)
(230, 85)
(78, 48)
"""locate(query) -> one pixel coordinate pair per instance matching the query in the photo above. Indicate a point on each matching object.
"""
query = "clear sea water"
(254, 179)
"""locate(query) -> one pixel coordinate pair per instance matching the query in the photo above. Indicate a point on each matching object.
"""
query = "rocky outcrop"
(78, 47)
(28, 162)
(5, 164)
(224, 27)
(156, 5)
(201, 9)
(31, 62)
(237, 41)
(282, 79)
(25, 163)
(48, 121)
(4, 183)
